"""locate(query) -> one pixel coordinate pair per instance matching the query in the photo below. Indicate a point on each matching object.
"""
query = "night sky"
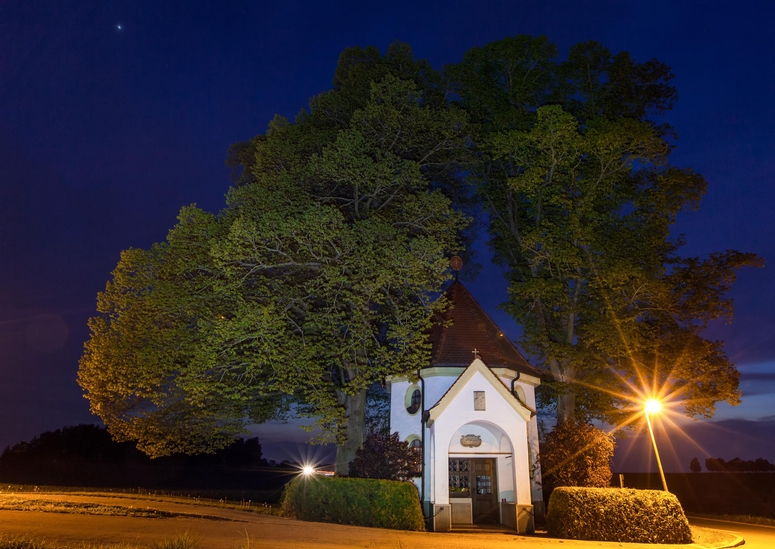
(113, 115)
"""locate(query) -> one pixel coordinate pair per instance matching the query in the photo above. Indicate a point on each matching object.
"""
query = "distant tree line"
(736, 465)
(93, 444)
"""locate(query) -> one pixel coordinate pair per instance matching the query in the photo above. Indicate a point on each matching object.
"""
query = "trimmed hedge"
(617, 514)
(356, 501)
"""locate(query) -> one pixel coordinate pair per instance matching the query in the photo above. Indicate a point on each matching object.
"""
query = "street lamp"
(653, 406)
(308, 470)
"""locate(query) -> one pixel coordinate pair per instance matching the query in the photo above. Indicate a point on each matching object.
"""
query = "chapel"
(472, 415)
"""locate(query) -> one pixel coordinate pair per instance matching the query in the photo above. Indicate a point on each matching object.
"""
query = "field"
(735, 494)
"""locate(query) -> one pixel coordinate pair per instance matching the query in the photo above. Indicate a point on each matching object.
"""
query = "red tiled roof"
(471, 328)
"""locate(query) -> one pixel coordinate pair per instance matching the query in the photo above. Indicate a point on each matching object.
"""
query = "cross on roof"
(476, 352)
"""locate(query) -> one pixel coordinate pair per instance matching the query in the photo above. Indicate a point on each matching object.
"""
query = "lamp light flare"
(653, 406)
(308, 470)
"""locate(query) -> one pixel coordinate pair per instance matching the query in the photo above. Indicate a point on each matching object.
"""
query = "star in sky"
(119, 27)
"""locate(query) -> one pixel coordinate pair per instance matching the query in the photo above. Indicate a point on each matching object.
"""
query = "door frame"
(491, 516)
(469, 498)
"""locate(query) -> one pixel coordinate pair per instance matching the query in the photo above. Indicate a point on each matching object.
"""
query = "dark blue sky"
(105, 133)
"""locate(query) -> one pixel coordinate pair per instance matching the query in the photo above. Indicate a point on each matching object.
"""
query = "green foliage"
(377, 417)
(576, 454)
(580, 196)
(318, 279)
(617, 514)
(144, 368)
(503, 83)
(360, 502)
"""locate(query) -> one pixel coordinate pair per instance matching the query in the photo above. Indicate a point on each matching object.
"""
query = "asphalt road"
(756, 537)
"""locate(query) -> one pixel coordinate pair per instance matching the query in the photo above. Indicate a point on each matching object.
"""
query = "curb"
(737, 543)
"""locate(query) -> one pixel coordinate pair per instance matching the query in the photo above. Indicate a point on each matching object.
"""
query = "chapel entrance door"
(484, 491)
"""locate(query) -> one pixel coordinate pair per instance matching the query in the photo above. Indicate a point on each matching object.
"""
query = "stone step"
(481, 529)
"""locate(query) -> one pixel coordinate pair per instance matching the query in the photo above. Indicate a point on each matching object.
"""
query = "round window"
(413, 400)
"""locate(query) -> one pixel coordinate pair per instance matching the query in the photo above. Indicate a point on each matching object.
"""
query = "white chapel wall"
(401, 420)
(436, 386)
(528, 390)
(460, 412)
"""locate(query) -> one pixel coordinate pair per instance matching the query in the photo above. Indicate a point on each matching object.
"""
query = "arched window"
(415, 455)
(416, 446)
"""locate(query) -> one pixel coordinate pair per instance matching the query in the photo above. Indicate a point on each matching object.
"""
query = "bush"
(356, 501)
(576, 454)
(617, 514)
(387, 457)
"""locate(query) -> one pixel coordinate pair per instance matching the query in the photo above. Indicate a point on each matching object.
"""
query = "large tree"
(318, 278)
(144, 370)
(580, 197)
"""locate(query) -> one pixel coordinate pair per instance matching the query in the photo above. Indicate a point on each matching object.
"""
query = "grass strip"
(165, 496)
(748, 519)
(185, 540)
(13, 503)
(29, 542)
(251, 507)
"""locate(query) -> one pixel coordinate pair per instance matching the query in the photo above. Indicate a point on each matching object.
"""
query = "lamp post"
(653, 406)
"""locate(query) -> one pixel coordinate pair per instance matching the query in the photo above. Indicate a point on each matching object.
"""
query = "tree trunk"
(355, 406)
(566, 407)
(566, 400)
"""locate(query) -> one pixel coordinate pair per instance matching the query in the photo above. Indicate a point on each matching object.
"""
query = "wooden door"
(484, 491)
